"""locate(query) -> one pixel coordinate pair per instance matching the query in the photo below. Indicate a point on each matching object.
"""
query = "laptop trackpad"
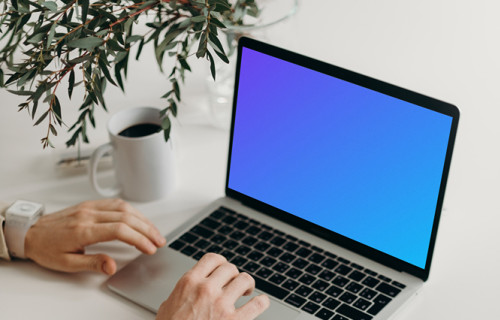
(276, 310)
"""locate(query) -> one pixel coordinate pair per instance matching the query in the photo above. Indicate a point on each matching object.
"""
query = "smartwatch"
(19, 217)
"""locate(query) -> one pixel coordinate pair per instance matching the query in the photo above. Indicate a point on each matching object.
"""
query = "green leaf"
(1, 78)
(133, 38)
(85, 9)
(21, 92)
(212, 64)
(52, 129)
(177, 91)
(199, 18)
(56, 107)
(52, 32)
(42, 117)
(71, 83)
(51, 5)
(166, 95)
(166, 125)
(87, 43)
(217, 22)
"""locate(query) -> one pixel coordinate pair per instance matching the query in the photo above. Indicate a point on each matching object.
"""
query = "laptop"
(334, 189)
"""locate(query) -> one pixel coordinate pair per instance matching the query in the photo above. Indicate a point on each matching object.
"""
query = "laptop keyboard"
(289, 269)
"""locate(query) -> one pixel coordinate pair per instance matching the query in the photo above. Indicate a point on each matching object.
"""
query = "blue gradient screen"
(355, 161)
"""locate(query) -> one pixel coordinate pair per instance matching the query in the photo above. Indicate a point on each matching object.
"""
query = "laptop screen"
(355, 161)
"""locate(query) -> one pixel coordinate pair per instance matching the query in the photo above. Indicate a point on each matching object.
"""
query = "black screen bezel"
(370, 83)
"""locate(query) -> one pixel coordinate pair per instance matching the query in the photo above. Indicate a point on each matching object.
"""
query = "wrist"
(19, 218)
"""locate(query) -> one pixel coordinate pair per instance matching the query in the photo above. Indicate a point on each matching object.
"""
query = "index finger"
(207, 264)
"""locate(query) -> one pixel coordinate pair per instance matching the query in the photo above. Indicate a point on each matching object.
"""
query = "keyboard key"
(265, 235)
(368, 293)
(303, 291)
(340, 281)
(249, 241)
(237, 235)
(317, 297)
(290, 246)
(295, 300)
(343, 260)
(354, 287)
(305, 244)
(307, 279)
(313, 269)
(189, 250)
(347, 297)
(340, 317)
(229, 219)
(356, 266)
(370, 282)
(326, 275)
(389, 290)
(277, 278)
(198, 255)
(290, 284)
(294, 273)
(329, 264)
(399, 285)
(253, 230)
(201, 231)
(290, 237)
(188, 237)
(331, 303)
(243, 250)
(270, 288)
(343, 269)
(378, 304)
(230, 244)
(317, 249)
(262, 246)
(353, 313)
(217, 214)
(265, 226)
(331, 255)
(225, 230)
(320, 285)
(370, 272)
(386, 279)
(278, 241)
(300, 263)
(334, 291)
(356, 275)
(311, 307)
(316, 258)
(287, 257)
(324, 314)
(267, 261)
(210, 223)
(255, 255)
(214, 248)
(264, 273)
(218, 239)
(228, 254)
(280, 267)
(274, 252)
(239, 261)
(303, 252)
(241, 225)
(251, 267)
(177, 245)
(362, 304)
(202, 244)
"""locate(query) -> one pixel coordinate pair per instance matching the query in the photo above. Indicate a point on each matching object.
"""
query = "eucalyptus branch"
(59, 36)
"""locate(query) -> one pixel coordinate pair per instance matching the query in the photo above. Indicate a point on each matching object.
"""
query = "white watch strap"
(4, 252)
(19, 218)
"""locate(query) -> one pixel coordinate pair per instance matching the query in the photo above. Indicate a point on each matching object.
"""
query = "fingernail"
(161, 241)
(105, 268)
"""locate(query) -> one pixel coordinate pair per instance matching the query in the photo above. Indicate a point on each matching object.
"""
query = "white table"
(449, 49)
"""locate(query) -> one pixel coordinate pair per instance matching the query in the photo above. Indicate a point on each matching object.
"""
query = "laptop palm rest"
(149, 280)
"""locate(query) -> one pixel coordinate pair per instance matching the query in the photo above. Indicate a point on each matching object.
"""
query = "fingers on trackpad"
(277, 310)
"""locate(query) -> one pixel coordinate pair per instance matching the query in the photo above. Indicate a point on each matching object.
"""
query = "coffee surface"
(140, 130)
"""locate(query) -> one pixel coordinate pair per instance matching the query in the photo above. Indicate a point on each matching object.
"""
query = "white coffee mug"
(144, 165)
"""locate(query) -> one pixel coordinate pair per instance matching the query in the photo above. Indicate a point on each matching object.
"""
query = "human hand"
(209, 291)
(57, 241)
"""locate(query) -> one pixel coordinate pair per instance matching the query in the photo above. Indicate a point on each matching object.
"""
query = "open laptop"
(334, 189)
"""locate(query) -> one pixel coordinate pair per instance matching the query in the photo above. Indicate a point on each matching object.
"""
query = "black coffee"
(140, 130)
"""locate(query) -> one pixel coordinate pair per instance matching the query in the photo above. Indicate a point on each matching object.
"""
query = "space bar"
(270, 288)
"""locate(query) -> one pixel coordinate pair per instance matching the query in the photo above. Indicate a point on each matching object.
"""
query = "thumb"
(90, 262)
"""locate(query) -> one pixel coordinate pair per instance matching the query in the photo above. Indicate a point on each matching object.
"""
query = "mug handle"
(94, 161)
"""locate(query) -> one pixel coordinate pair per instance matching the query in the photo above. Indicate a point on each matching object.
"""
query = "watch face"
(24, 209)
